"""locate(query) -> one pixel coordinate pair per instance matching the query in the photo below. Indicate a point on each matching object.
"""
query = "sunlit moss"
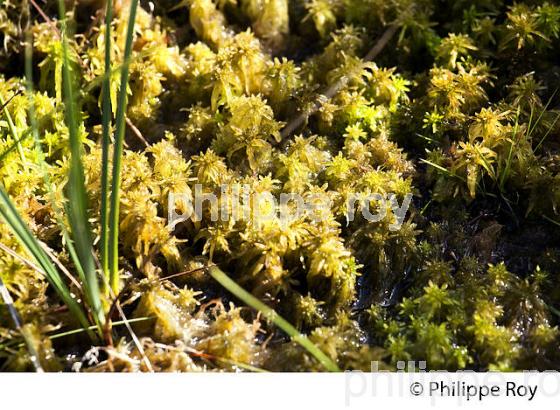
(458, 112)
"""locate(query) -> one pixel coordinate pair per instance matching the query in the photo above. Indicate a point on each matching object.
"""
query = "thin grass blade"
(12, 128)
(505, 173)
(11, 216)
(45, 173)
(18, 324)
(76, 191)
(117, 154)
(106, 142)
(274, 317)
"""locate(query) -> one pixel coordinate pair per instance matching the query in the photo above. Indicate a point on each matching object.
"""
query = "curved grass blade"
(274, 317)
(16, 318)
(117, 154)
(76, 191)
(11, 216)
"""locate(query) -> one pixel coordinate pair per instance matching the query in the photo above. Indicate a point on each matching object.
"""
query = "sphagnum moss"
(460, 110)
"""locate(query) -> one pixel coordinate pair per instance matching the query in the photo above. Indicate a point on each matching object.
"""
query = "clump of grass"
(80, 240)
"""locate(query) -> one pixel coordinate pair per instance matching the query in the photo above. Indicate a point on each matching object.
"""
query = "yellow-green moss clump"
(459, 110)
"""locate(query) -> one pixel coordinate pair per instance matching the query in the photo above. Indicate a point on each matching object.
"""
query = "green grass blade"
(533, 126)
(547, 132)
(106, 141)
(16, 343)
(76, 191)
(442, 169)
(114, 324)
(12, 128)
(14, 146)
(274, 317)
(18, 324)
(117, 154)
(505, 173)
(11, 216)
(53, 336)
(45, 173)
(27, 133)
